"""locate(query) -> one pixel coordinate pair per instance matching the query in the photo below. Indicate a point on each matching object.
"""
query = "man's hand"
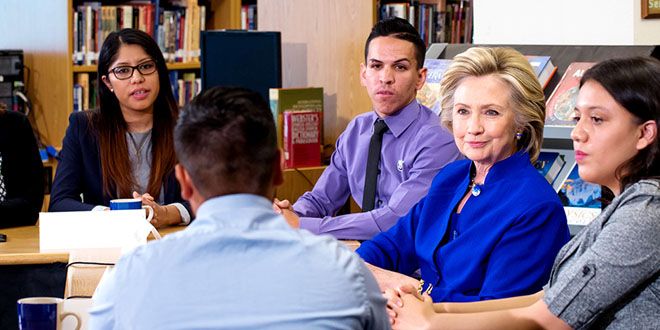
(285, 208)
(279, 206)
(291, 218)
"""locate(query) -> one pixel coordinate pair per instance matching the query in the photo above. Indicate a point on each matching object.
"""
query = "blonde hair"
(527, 99)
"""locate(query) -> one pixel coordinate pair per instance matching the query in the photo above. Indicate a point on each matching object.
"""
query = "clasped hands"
(408, 309)
(285, 208)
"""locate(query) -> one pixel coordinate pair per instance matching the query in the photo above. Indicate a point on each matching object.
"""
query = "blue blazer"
(79, 172)
(507, 237)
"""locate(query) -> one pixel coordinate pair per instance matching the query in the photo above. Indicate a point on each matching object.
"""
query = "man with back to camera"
(238, 265)
(414, 147)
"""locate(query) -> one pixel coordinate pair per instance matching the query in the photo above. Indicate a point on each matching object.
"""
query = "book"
(549, 164)
(429, 94)
(561, 103)
(293, 99)
(543, 67)
(302, 138)
(581, 199)
(82, 79)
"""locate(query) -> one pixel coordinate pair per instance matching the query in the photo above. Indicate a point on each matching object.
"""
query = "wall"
(39, 28)
(323, 46)
(647, 31)
(563, 22)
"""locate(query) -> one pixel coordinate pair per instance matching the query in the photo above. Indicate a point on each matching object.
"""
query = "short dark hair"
(401, 29)
(225, 138)
(633, 83)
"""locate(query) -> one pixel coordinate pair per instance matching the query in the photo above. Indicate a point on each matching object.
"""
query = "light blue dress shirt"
(240, 266)
(415, 148)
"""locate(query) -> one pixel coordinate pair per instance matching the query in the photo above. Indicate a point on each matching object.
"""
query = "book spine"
(302, 138)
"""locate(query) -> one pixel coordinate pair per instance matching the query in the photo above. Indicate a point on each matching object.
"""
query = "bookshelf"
(449, 21)
(48, 53)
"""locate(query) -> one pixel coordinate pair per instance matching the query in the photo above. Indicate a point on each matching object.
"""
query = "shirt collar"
(237, 211)
(398, 122)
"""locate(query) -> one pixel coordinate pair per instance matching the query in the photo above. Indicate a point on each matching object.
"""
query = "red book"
(560, 108)
(302, 138)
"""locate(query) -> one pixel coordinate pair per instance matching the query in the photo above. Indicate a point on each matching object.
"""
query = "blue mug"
(131, 204)
(126, 204)
(42, 313)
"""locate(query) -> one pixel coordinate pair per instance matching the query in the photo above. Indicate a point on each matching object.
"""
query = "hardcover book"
(581, 199)
(549, 164)
(294, 99)
(429, 94)
(561, 103)
(543, 67)
(302, 138)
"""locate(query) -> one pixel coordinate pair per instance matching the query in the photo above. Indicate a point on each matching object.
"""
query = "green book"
(294, 99)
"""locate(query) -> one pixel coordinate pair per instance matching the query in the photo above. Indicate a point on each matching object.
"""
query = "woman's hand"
(164, 215)
(413, 313)
(388, 279)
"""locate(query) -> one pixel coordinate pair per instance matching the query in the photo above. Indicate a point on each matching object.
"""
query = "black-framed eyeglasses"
(126, 71)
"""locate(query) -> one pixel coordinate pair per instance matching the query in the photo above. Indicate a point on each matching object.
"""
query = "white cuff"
(185, 216)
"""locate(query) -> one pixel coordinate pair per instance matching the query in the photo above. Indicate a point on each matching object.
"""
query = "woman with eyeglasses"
(125, 148)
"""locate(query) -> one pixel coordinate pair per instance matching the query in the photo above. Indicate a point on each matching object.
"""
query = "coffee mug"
(42, 313)
(131, 204)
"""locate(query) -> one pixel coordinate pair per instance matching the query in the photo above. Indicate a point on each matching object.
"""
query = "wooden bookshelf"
(221, 14)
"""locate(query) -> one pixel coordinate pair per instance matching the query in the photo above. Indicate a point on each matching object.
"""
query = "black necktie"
(370, 179)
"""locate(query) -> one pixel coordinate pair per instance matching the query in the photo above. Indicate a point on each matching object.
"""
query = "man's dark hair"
(398, 28)
(225, 138)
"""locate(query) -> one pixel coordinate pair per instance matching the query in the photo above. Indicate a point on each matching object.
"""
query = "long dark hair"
(633, 83)
(111, 126)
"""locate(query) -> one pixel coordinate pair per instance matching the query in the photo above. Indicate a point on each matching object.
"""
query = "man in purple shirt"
(414, 145)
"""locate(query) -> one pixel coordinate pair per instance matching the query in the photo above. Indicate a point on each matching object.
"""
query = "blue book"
(429, 94)
(576, 192)
(543, 67)
(549, 164)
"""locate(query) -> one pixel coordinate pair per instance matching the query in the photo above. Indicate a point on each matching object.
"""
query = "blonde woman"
(490, 225)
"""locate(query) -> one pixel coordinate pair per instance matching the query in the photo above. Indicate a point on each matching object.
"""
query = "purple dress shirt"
(414, 149)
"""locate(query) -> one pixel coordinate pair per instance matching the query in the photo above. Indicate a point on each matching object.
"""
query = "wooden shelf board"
(170, 66)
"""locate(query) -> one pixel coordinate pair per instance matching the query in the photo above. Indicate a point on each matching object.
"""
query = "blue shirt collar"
(402, 119)
(231, 210)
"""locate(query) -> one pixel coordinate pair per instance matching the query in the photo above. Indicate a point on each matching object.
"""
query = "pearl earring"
(112, 90)
(518, 135)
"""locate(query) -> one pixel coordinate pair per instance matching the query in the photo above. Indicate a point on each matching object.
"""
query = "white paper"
(64, 231)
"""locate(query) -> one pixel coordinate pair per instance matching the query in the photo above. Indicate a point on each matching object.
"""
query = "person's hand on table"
(279, 205)
(410, 310)
(164, 215)
(285, 208)
(388, 279)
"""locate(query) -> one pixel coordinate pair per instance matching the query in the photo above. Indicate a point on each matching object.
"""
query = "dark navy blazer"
(508, 236)
(79, 172)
